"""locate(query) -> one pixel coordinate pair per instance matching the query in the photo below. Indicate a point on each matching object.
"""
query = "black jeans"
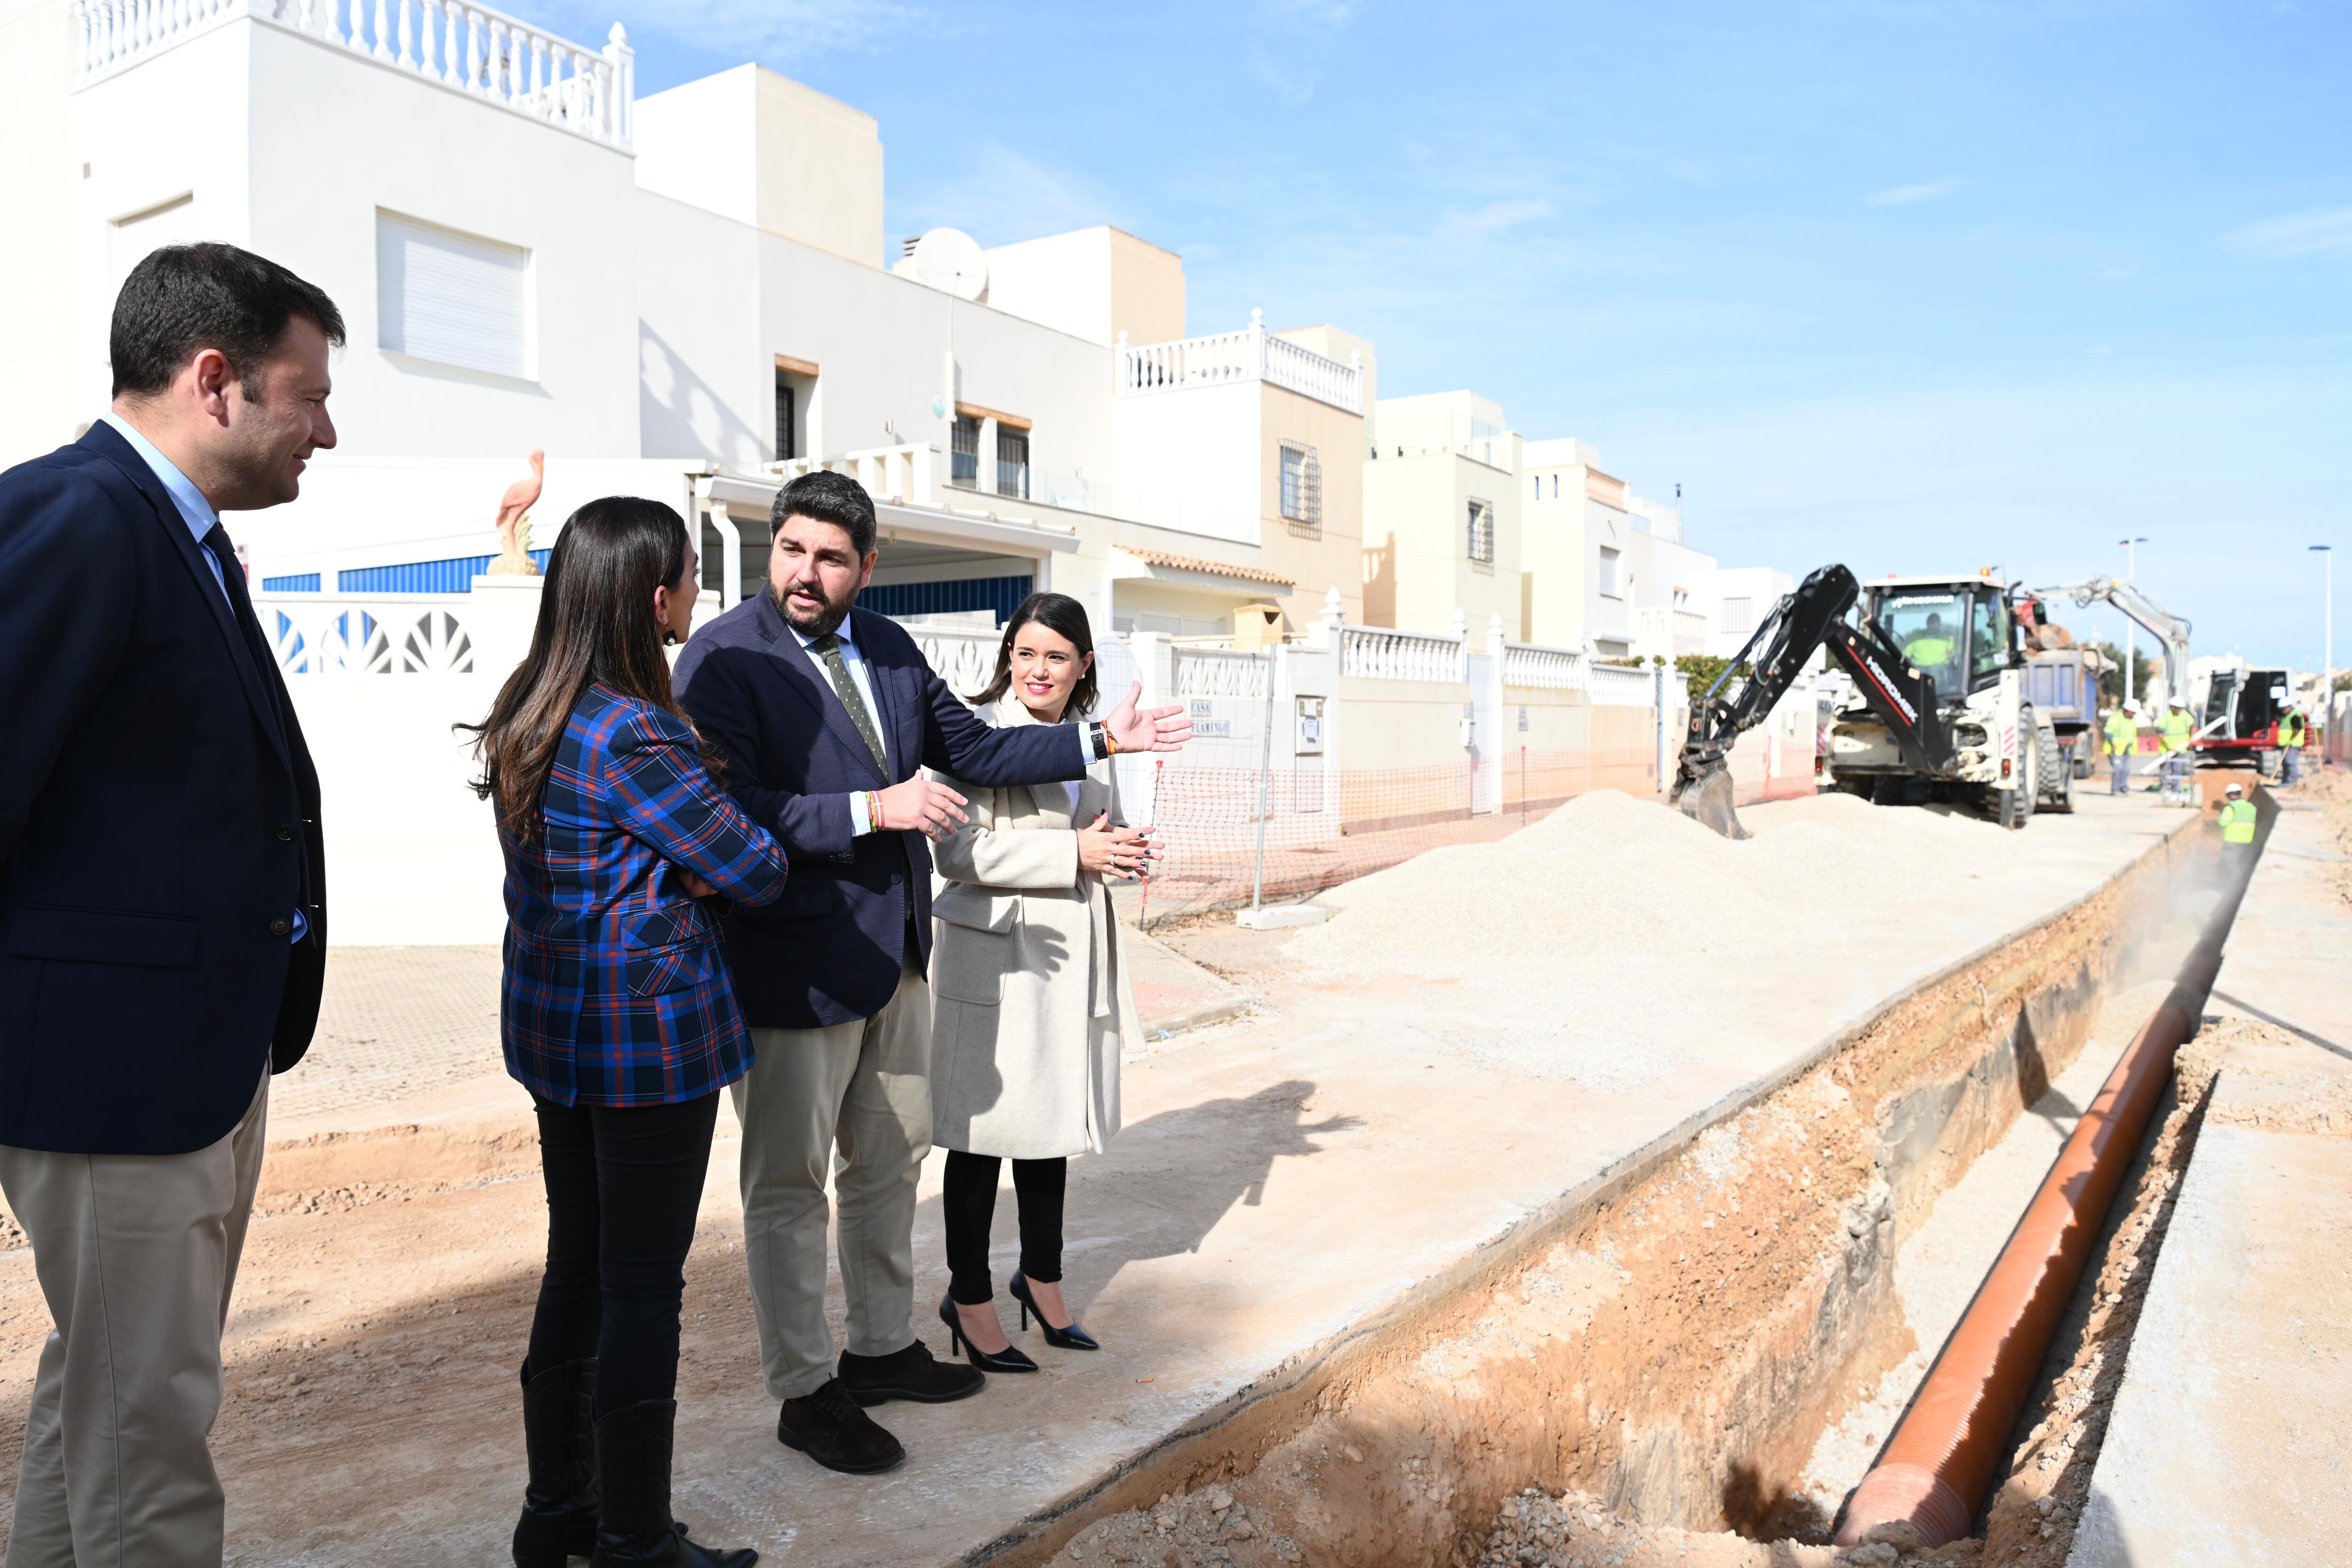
(623, 1186)
(969, 1205)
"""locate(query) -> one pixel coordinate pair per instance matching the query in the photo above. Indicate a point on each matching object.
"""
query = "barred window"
(963, 452)
(1012, 462)
(1736, 616)
(1302, 485)
(1482, 533)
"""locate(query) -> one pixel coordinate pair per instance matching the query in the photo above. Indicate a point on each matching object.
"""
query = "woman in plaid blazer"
(618, 1015)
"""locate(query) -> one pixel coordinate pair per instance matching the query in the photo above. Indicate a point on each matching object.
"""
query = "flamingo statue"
(514, 523)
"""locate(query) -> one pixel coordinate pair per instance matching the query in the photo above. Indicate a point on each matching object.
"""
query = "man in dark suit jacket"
(827, 715)
(163, 899)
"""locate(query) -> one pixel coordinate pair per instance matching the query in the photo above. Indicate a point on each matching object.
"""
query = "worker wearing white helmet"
(2237, 822)
(2122, 732)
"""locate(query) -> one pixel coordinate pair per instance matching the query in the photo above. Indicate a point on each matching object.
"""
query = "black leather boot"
(559, 1438)
(633, 1529)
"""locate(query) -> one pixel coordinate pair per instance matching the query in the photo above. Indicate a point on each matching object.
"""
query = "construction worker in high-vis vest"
(2123, 741)
(2291, 739)
(2174, 730)
(2237, 822)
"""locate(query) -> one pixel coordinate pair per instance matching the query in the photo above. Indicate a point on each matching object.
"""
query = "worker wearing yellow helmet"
(2122, 741)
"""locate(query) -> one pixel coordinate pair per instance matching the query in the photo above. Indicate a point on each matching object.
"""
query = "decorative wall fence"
(480, 51)
(408, 635)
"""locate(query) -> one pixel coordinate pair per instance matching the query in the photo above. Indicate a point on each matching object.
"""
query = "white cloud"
(1902, 195)
(1495, 217)
(2322, 231)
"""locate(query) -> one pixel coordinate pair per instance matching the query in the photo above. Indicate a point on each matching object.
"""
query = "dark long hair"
(595, 625)
(1056, 612)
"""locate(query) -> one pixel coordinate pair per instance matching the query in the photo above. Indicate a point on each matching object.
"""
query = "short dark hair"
(828, 497)
(185, 298)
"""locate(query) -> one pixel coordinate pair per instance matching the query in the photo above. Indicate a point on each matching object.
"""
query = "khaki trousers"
(865, 1087)
(137, 1255)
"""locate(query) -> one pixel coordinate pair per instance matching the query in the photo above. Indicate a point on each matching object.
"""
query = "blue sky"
(1916, 286)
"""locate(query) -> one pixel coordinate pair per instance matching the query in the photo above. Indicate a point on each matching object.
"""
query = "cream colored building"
(1442, 532)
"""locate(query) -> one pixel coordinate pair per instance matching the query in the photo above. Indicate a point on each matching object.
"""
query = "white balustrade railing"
(1252, 354)
(1381, 655)
(332, 634)
(1537, 668)
(906, 476)
(966, 661)
(1220, 672)
(1622, 686)
(499, 59)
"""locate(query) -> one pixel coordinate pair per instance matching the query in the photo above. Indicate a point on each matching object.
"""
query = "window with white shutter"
(452, 297)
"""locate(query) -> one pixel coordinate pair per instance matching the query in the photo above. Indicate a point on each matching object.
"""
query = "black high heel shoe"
(1071, 1338)
(1009, 1359)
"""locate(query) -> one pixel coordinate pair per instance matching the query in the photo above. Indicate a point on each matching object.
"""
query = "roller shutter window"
(452, 298)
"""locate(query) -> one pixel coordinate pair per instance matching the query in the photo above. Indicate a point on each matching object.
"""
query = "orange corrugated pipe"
(1938, 1466)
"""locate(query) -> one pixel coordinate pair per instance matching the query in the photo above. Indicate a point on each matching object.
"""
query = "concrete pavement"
(2231, 1438)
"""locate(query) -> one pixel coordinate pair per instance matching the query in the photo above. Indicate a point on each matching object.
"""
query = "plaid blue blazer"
(617, 990)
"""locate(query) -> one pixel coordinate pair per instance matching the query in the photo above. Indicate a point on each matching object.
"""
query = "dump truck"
(1940, 708)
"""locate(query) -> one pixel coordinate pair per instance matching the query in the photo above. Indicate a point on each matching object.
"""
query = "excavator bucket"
(1703, 793)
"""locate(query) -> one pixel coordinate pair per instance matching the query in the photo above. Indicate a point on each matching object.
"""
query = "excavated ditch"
(1667, 1356)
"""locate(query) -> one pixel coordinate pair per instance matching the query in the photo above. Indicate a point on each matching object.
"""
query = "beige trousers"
(137, 1255)
(865, 1087)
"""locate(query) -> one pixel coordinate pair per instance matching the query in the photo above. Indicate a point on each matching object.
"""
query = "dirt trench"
(1666, 1356)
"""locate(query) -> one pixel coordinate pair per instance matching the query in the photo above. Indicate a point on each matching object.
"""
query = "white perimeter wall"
(412, 856)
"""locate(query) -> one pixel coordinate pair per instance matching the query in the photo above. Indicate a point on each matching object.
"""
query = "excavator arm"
(2169, 629)
(1763, 670)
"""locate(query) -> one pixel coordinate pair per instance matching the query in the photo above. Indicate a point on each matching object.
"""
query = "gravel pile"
(1606, 944)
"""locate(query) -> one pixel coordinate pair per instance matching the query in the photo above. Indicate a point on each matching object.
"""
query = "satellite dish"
(950, 261)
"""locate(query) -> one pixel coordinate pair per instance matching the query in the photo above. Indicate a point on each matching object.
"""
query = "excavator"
(1939, 706)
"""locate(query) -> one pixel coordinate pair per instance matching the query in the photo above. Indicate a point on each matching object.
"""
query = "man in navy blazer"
(826, 716)
(162, 898)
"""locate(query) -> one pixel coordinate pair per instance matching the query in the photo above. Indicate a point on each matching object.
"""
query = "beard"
(812, 625)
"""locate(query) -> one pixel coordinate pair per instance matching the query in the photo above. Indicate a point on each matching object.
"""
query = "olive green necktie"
(829, 648)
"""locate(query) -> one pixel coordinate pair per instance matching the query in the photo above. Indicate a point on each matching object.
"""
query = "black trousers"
(969, 1204)
(623, 1186)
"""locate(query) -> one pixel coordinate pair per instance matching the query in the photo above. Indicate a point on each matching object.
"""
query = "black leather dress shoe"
(910, 1374)
(828, 1427)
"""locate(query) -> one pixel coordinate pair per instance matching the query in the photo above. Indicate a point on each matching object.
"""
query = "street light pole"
(2327, 637)
(2131, 633)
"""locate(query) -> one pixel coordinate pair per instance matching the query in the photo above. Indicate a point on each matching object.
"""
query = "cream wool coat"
(1030, 1000)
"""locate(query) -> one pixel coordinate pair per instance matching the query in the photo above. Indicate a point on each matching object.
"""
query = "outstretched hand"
(1146, 729)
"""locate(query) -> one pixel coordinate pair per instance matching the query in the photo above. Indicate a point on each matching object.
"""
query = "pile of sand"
(1606, 943)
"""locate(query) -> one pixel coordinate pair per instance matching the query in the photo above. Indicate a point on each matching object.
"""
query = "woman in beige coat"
(1032, 1004)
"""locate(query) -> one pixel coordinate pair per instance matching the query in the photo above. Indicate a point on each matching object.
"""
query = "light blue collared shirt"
(198, 514)
(194, 510)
